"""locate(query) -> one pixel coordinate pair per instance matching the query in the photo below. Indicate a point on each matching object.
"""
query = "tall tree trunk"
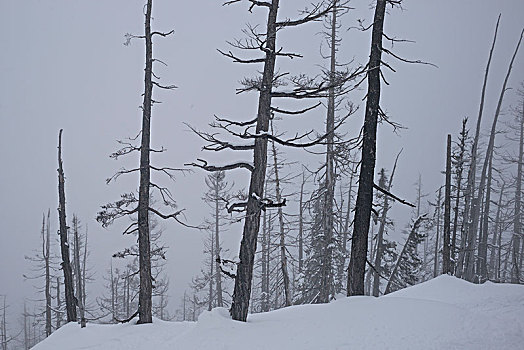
(482, 260)
(446, 250)
(465, 254)
(248, 245)
(211, 274)
(437, 238)
(64, 246)
(58, 313)
(380, 235)
(301, 226)
(79, 289)
(218, 276)
(326, 277)
(283, 256)
(493, 263)
(470, 274)
(265, 266)
(517, 226)
(359, 243)
(46, 240)
(459, 171)
(144, 245)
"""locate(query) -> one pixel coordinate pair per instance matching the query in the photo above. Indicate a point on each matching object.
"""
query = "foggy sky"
(63, 65)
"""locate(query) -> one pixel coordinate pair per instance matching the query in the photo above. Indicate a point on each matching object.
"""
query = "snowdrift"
(444, 313)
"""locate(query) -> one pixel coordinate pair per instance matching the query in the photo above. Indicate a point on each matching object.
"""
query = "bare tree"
(78, 273)
(129, 203)
(64, 245)
(446, 250)
(363, 207)
(380, 234)
(257, 130)
(464, 256)
(475, 212)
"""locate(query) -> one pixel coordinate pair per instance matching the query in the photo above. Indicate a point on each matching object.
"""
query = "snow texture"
(444, 313)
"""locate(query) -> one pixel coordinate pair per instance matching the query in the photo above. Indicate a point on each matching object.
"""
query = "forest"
(297, 194)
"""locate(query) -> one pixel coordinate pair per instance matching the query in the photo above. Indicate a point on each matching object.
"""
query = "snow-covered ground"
(444, 313)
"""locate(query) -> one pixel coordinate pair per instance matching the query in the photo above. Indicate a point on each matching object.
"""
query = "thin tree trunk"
(446, 250)
(64, 246)
(359, 243)
(517, 229)
(58, 314)
(380, 235)
(483, 242)
(248, 245)
(218, 277)
(301, 226)
(437, 238)
(46, 253)
(494, 242)
(211, 272)
(476, 205)
(460, 169)
(265, 266)
(326, 288)
(465, 254)
(283, 256)
(79, 289)
(411, 236)
(144, 246)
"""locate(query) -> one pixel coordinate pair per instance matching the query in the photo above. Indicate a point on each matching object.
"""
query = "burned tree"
(271, 85)
(446, 250)
(464, 254)
(129, 204)
(64, 245)
(363, 207)
(476, 204)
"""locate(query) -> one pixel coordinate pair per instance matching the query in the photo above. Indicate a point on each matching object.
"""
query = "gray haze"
(63, 65)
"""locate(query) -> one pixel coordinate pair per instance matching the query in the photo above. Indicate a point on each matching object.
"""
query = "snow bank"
(444, 313)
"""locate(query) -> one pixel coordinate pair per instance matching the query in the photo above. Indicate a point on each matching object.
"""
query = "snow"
(444, 313)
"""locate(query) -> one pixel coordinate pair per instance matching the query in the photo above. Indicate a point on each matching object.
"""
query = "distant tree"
(382, 243)
(446, 250)
(79, 276)
(406, 271)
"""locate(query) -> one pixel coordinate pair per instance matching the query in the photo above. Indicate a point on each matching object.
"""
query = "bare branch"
(387, 193)
(212, 168)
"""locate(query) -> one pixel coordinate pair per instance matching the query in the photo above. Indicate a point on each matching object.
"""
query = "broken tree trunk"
(64, 245)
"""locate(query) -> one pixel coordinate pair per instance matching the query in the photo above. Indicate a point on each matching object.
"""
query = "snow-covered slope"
(444, 313)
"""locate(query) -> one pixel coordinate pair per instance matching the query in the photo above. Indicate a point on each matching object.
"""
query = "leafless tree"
(271, 85)
(363, 208)
(129, 204)
(64, 245)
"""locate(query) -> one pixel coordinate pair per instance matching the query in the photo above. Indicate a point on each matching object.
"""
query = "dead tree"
(475, 212)
(446, 249)
(256, 130)
(79, 276)
(46, 249)
(458, 160)
(129, 204)
(464, 254)
(380, 234)
(410, 246)
(64, 245)
(517, 225)
(282, 237)
(359, 242)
